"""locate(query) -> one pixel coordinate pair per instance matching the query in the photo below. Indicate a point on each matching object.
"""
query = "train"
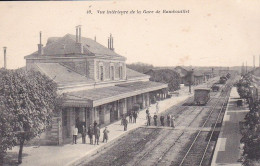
(223, 80)
(215, 88)
(201, 96)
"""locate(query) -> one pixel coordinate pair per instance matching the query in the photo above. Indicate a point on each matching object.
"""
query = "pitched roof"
(133, 74)
(182, 71)
(197, 73)
(61, 46)
(61, 74)
(100, 96)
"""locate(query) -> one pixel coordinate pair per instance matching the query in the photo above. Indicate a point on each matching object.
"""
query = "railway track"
(165, 151)
(193, 154)
(170, 134)
(155, 146)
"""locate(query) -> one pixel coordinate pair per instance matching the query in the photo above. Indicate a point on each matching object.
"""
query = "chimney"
(79, 46)
(254, 61)
(95, 38)
(40, 46)
(79, 40)
(77, 34)
(246, 66)
(108, 43)
(4, 57)
(112, 43)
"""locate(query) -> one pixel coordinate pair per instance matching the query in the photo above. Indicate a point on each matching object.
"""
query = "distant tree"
(167, 76)
(243, 86)
(140, 67)
(28, 101)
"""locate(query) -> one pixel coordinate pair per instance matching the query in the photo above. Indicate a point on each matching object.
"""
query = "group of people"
(132, 119)
(133, 116)
(169, 119)
(92, 130)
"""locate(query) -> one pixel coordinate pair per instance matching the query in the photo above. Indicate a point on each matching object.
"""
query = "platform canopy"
(100, 96)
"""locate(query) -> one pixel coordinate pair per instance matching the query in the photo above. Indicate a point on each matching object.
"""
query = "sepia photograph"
(130, 83)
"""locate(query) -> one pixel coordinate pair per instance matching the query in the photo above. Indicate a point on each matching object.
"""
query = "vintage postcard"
(130, 82)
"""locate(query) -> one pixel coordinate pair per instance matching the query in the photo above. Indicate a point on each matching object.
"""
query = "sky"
(213, 33)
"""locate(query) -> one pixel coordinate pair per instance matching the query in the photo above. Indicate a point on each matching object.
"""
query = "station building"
(95, 82)
(196, 77)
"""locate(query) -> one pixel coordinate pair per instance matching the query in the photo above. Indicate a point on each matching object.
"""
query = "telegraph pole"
(190, 79)
(4, 57)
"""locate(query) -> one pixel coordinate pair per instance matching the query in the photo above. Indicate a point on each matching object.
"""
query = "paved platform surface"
(227, 151)
(70, 153)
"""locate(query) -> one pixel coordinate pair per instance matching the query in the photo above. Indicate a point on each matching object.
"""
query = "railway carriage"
(215, 88)
(201, 96)
(223, 80)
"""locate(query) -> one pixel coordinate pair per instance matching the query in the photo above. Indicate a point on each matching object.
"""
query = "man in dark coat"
(135, 116)
(155, 119)
(83, 133)
(90, 134)
(147, 112)
(125, 124)
(168, 120)
(162, 120)
(105, 137)
(97, 135)
(148, 119)
(95, 125)
(130, 117)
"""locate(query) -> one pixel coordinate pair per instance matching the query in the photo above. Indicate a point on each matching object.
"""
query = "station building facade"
(95, 82)
(196, 77)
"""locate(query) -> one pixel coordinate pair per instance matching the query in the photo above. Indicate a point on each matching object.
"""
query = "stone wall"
(52, 135)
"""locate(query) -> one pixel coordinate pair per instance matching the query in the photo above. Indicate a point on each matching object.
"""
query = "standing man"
(148, 119)
(90, 134)
(162, 120)
(172, 121)
(97, 135)
(147, 112)
(105, 136)
(75, 134)
(95, 125)
(135, 116)
(125, 124)
(155, 119)
(169, 120)
(130, 117)
(84, 132)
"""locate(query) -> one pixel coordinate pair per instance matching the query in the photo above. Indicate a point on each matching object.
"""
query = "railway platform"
(227, 150)
(70, 154)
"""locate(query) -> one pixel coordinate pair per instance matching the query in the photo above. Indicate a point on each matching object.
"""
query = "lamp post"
(190, 74)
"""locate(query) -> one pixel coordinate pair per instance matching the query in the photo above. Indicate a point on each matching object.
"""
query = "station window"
(121, 72)
(101, 71)
(112, 73)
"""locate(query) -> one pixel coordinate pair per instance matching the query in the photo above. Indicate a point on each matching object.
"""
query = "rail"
(215, 124)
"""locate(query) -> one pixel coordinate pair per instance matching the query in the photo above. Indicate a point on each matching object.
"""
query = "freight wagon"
(201, 96)
(223, 80)
(215, 88)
